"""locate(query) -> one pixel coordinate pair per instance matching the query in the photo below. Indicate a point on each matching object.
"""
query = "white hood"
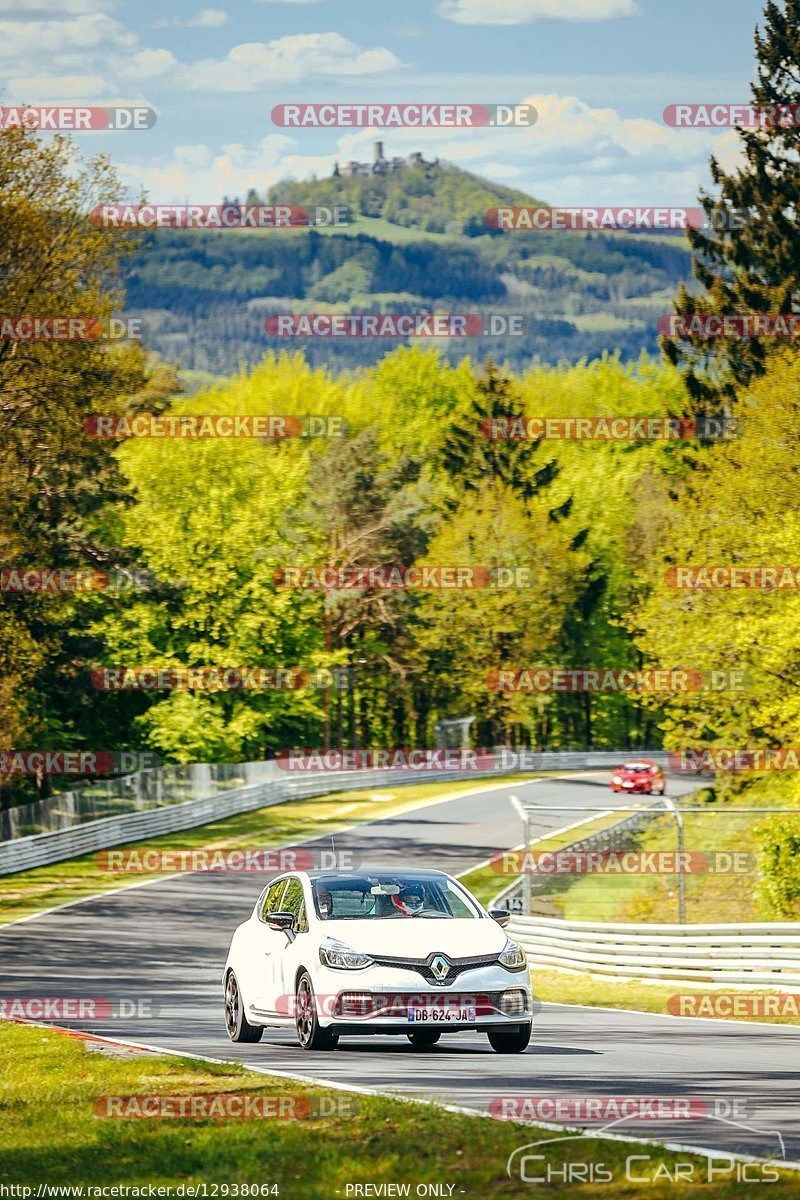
(417, 937)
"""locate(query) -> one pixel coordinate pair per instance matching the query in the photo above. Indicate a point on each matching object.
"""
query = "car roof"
(406, 872)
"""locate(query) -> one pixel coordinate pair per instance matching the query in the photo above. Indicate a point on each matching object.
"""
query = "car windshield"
(389, 896)
(637, 767)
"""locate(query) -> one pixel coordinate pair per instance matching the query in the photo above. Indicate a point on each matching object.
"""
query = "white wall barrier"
(759, 954)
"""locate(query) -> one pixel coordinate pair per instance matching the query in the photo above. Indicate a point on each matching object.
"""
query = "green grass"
(386, 231)
(600, 322)
(280, 825)
(566, 987)
(375, 227)
(50, 1085)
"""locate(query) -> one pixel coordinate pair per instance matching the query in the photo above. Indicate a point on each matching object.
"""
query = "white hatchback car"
(379, 951)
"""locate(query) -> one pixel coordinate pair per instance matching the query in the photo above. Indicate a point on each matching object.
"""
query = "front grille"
(357, 1005)
(423, 965)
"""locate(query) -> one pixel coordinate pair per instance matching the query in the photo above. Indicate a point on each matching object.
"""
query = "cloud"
(247, 67)
(206, 18)
(149, 64)
(521, 12)
(204, 175)
(54, 10)
(69, 42)
(408, 31)
(58, 89)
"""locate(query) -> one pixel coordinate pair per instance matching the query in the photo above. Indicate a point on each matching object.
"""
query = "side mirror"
(501, 915)
(282, 921)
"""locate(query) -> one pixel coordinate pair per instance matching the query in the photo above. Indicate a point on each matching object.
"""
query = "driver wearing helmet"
(410, 900)
(324, 901)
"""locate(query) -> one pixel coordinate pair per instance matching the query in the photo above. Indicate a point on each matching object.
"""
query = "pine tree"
(748, 259)
(473, 458)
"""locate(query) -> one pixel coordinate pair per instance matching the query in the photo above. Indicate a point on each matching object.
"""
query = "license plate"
(445, 1015)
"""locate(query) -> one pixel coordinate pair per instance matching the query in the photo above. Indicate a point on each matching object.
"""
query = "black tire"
(238, 1027)
(503, 1042)
(423, 1037)
(310, 1033)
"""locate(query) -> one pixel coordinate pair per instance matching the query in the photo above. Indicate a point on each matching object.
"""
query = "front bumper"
(379, 1000)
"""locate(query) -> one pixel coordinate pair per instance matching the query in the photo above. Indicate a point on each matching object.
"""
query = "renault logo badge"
(440, 967)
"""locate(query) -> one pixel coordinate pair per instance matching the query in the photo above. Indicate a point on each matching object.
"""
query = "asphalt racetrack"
(166, 942)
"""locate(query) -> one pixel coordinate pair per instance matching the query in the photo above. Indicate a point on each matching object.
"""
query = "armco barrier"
(40, 849)
(758, 954)
(23, 853)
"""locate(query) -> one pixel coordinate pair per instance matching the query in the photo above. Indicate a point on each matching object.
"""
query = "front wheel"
(310, 1033)
(504, 1042)
(238, 1027)
(423, 1037)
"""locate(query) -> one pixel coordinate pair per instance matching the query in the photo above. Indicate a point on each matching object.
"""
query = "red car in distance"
(639, 775)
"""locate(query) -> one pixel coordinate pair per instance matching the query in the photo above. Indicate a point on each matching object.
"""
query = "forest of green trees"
(597, 525)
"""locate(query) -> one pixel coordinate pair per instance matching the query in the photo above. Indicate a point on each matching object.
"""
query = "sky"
(598, 72)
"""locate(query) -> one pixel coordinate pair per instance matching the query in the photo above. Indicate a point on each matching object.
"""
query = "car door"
(293, 901)
(271, 942)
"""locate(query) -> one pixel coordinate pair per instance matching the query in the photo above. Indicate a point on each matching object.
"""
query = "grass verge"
(50, 1086)
(564, 987)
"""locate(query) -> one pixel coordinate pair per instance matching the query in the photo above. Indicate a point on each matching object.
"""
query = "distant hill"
(417, 242)
(430, 197)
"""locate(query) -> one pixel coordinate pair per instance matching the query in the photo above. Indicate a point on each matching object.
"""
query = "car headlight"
(513, 957)
(342, 957)
(616, 779)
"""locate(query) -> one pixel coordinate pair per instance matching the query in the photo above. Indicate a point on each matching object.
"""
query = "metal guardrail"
(176, 798)
(766, 953)
(23, 853)
(134, 793)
